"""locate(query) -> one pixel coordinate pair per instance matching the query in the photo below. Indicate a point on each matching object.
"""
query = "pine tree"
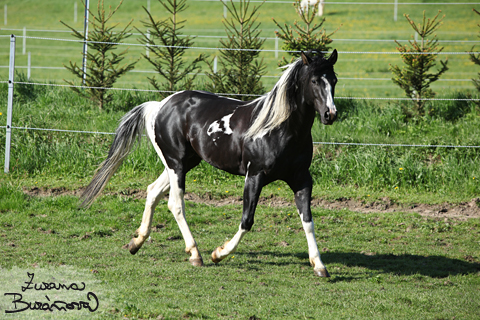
(167, 47)
(419, 58)
(303, 37)
(103, 67)
(240, 69)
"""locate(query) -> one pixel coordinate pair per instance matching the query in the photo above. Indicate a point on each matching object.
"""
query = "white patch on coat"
(152, 108)
(248, 168)
(217, 127)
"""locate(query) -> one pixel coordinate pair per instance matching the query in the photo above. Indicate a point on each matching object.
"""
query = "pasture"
(383, 265)
(397, 227)
(361, 28)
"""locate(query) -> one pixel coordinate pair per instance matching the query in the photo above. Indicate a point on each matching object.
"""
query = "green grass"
(58, 159)
(392, 266)
(371, 22)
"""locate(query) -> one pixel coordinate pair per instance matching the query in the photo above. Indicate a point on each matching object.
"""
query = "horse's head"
(319, 85)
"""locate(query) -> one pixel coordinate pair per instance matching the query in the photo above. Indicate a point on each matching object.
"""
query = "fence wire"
(315, 142)
(233, 94)
(234, 49)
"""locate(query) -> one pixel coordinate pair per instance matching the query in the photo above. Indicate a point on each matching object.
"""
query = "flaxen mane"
(276, 106)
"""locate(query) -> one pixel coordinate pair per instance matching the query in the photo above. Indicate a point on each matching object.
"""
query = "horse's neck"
(301, 120)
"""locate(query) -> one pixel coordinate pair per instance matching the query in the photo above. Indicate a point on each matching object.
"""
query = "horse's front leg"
(251, 193)
(303, 193)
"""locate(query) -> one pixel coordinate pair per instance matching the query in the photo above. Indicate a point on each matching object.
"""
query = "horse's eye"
(314, 81)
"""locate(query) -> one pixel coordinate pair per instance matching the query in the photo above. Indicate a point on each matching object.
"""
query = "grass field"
(396, 265)
(362, 28)
(393, 266)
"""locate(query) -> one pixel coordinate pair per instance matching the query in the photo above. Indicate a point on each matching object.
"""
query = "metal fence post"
(147, 51)
(24, 48)
(75, 12)
(395, 10)
(276, 47)
(85, 46)
(11, 74)
(29, 65)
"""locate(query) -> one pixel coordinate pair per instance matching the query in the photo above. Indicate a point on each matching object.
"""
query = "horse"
(266, 139)
(307, 3)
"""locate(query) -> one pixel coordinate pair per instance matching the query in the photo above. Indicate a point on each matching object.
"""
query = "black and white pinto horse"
(266, 139)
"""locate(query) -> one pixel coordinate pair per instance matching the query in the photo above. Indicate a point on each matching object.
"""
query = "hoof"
(322, 273)
(132, 247)
(215, 258)
(196, 262)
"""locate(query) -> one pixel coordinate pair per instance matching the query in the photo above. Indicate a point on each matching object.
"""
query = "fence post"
(85, 34)
(11, 74)
(29, 65)
(147, 51)
(75, 12)
(24, 48)
(395, 10)
(276, 47)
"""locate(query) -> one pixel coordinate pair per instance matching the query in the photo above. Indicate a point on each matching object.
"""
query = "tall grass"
(71, 158)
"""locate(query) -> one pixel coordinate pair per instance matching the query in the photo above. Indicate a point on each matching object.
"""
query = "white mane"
(274, 106)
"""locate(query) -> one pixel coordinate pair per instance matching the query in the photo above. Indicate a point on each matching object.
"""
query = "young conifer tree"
(419, 57)
(167, 47)
(240, 68)
(103, 68)
(475, 58)
(303, 37)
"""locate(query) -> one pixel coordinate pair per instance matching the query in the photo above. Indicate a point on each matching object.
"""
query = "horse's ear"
(305, 59)
(333, 57)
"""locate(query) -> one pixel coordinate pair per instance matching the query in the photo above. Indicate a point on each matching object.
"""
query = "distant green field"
(364, 29)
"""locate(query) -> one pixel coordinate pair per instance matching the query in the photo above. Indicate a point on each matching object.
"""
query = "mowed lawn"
(383, 266)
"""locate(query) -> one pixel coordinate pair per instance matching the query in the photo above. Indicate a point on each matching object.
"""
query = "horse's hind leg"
(176, 204)
(154, 192)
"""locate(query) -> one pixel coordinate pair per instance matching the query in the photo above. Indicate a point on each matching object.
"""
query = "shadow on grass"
(402, 264)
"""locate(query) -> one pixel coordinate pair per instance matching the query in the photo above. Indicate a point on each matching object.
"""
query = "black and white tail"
(128, 133)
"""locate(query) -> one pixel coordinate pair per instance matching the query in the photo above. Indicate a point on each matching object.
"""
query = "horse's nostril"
(327, 115)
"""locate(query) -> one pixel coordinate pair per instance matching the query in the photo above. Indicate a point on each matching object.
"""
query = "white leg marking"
(176, 204)
(313, 252)
(230, 246)
(154, 193)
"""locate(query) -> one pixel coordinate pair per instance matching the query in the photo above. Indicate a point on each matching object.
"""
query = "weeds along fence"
(11, 82)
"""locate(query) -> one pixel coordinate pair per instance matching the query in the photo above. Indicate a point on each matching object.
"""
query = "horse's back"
(203, 124)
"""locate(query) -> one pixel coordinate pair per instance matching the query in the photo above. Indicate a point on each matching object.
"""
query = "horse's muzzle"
(330, 115)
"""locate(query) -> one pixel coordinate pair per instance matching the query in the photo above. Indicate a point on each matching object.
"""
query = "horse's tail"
(129, 132)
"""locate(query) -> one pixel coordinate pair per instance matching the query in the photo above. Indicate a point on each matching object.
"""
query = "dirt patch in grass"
(463, 210)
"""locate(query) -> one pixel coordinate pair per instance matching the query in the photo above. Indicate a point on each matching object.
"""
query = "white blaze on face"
(329, 102)
(217, 126)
